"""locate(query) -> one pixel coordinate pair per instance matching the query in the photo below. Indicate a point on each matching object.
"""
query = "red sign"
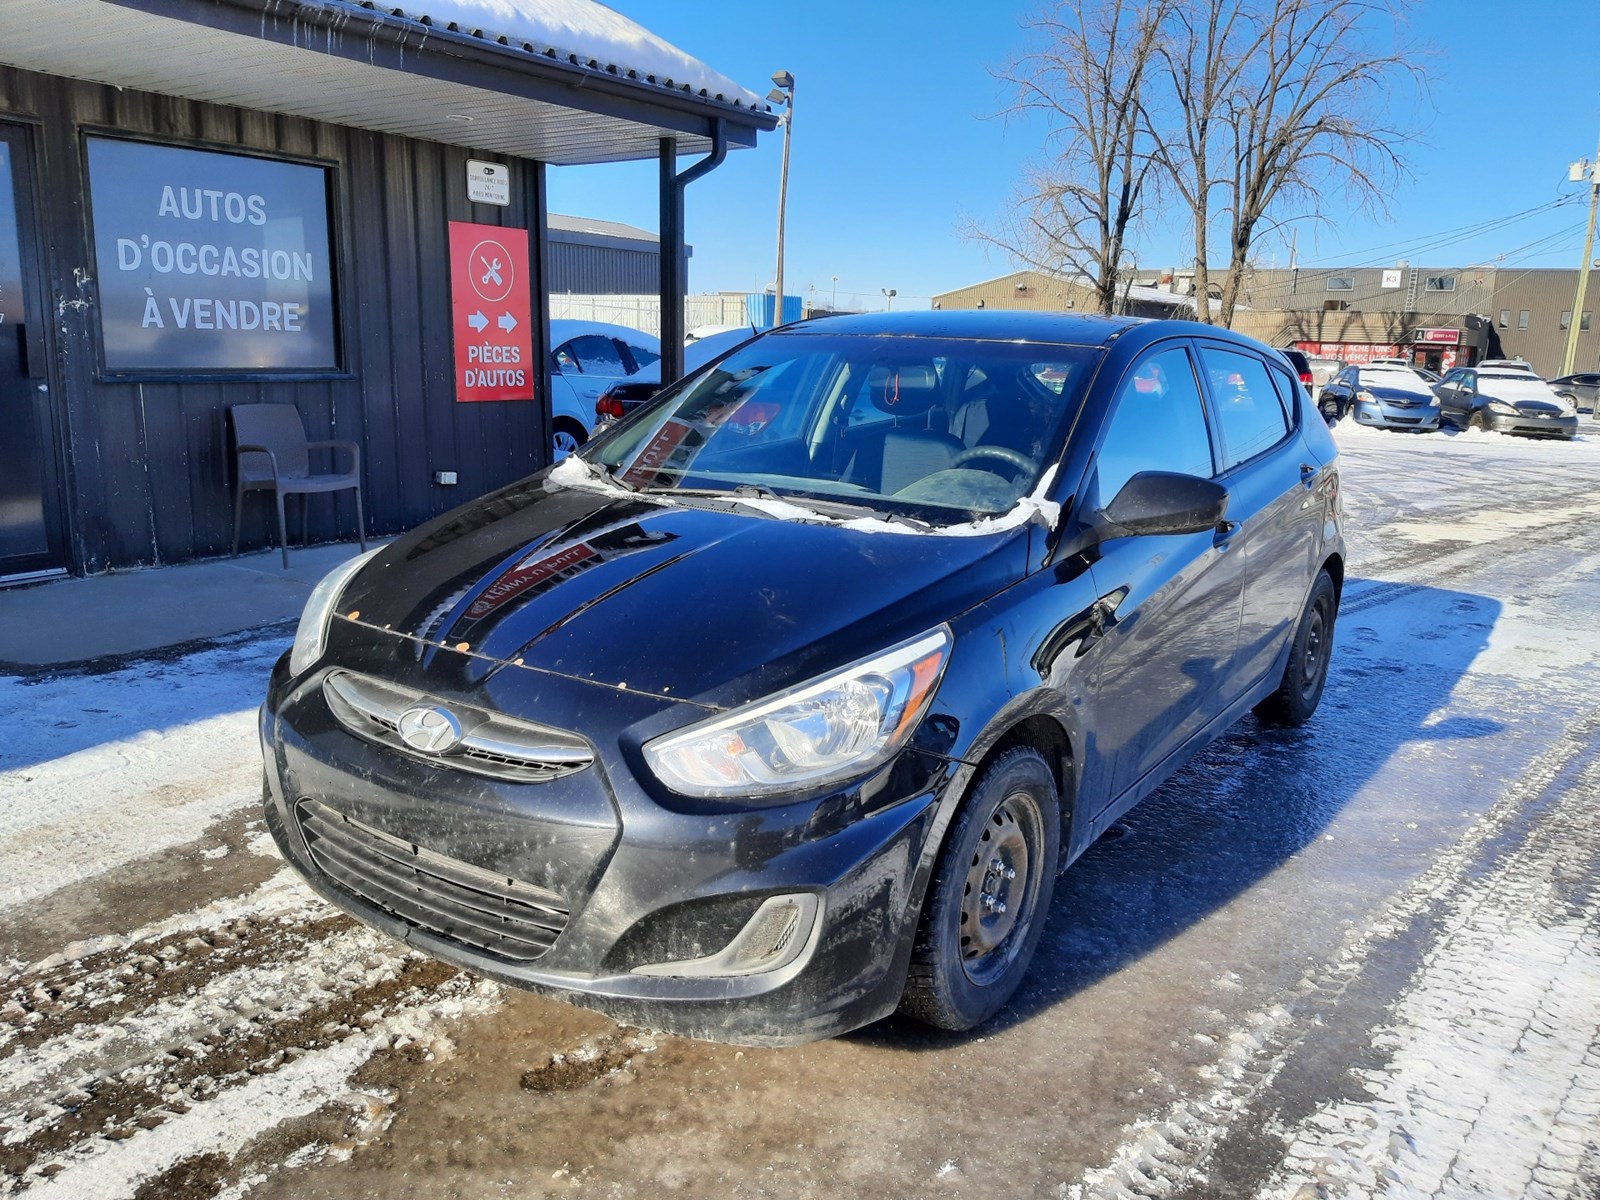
(1352, 352)
(1443, 337)
(493, 313)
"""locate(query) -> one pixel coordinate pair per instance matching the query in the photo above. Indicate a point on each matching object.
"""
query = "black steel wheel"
(990, 891)
(1306, 672)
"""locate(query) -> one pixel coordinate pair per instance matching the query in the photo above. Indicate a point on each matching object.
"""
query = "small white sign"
(488, 183)
(1391, 279)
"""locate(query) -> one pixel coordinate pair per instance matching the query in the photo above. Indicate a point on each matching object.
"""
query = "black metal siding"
(146, 474)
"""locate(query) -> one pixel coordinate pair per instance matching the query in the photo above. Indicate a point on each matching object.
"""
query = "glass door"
(30, 528)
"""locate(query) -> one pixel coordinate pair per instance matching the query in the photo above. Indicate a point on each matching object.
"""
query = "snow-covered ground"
(1361, 960)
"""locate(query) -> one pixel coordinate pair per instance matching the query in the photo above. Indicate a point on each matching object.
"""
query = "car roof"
(1010, 325)
(565, 330)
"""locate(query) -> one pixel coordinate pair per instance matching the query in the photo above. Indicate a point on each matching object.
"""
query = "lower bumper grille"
(490, 913)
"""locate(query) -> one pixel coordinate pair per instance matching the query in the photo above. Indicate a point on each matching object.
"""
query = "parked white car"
(586, 358)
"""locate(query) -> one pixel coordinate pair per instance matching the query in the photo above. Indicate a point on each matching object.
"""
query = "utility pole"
(1575, 174)
(783, 94)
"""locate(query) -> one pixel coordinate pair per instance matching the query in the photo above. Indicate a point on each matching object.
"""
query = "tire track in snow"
(132, 1056)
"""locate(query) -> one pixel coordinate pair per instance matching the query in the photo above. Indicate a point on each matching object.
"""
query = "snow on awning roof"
(582, 32)
(383, 68)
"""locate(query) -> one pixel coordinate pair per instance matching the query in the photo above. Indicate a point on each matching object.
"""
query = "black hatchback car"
(781, 706)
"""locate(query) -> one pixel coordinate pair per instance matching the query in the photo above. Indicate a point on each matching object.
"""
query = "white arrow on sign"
(507, 322)
(478, 322)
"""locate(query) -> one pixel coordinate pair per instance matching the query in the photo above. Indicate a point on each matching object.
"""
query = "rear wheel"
(1306, 672)
(990, 892)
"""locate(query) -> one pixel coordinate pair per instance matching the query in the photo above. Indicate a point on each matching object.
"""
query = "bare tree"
(1268, 103)
(1083, 75)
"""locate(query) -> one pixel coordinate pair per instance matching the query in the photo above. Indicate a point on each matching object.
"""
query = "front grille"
(491, 743)
(1406, 420)
(489, 912)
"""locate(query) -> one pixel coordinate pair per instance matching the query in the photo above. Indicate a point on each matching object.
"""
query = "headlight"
(1569, 405)
(1500, 406)
(830, 729)
(312, 634)
(1366, 397)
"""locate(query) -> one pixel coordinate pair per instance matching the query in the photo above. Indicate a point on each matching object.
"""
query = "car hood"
(703, 604)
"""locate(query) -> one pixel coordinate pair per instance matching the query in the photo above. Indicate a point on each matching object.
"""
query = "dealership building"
(320, 203)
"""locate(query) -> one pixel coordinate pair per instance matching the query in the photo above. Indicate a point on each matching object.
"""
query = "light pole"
(1575, 174)
(782, 94)
(891, 293)
(833, 302)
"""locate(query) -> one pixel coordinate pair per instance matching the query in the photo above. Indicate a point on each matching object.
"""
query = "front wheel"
(1306, 672)
(990, 892)
(567, 438)
(1330, 411)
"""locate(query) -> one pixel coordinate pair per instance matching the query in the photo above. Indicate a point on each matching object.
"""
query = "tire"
(567, 437)
(1476, 421)
(1306, 672)
(989, 894)
(1330, 411)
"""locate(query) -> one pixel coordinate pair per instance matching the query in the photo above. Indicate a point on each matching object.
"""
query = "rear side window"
(596, 355)
(1158, 424)
(1247, 406)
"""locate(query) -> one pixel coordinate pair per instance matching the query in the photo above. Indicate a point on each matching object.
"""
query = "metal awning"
(374, 69)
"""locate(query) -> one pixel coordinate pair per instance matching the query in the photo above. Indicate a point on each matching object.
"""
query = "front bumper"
(638, 884)
(1531, 424)
(1382, 415)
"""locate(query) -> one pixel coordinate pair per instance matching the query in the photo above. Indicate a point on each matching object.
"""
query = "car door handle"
(1308, 474)
(1224, 534)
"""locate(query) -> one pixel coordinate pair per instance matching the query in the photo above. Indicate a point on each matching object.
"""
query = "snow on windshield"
(1514, 386)
(586, 29)
(1401, 379)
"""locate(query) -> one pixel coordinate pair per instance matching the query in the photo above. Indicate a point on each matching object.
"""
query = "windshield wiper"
(819, 506)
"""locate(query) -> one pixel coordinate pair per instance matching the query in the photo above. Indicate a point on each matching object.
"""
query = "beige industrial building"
(1438, 317)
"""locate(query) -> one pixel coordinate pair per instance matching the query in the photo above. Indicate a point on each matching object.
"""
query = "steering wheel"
(1011, 458)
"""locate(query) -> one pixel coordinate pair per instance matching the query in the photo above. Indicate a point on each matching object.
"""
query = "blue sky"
(896, 146)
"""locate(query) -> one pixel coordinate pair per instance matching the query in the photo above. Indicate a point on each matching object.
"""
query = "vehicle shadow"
(1252, 800)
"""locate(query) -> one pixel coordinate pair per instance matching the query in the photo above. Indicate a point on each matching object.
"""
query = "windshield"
(939, 429)
(1399, 379)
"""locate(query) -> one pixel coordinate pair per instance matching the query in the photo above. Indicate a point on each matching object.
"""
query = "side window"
(597, 355)
(1157, 424)
(1247, 406)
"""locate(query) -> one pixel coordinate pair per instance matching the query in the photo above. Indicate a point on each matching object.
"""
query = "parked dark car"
(1582, 389)
(780, 706)
(1301, 362)
(1506, 400)
(1384, 395)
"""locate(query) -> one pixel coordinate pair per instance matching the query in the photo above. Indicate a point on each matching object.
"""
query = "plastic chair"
(271, 451)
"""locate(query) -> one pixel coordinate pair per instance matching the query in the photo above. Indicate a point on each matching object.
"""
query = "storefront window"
(211, 262)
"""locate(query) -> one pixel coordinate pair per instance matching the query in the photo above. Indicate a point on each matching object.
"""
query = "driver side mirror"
(1155, 502)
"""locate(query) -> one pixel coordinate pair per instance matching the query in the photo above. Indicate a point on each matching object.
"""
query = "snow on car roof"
(583, 32)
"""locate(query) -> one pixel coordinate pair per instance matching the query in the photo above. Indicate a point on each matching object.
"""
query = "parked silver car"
(1506, 400)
